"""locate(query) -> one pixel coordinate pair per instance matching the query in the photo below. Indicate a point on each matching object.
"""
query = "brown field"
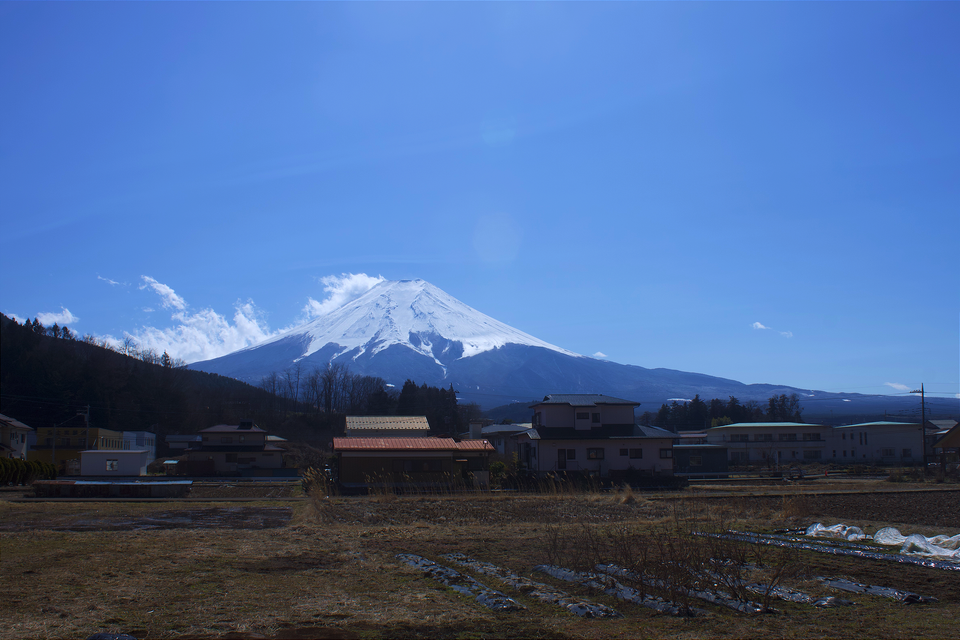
(325, 567)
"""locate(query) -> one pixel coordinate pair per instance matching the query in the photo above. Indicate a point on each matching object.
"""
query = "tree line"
(331, 392)
(697, 414)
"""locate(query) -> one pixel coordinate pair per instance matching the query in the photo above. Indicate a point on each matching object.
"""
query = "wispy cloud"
(61, 317)
(600, 354)
(897, 386)
(168, 297)
(203, 334)
(15, 317)
(785, 334)
(109, 281)
(340, 290)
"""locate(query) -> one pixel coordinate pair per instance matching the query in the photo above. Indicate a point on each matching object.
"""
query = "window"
(811, 455)
(226, 440)
(636, 453)
(788, 437)
(666, 453)
(696, 461)
(595, 418)
(763, 437)
(113, 465)
(740, 437)
(908, 453)
(887, 453)
(861, 438)
(844, 453)
(844, 436)
(81, 442)
(595, 454)
(811, 437)
(865, 438)
(623, 452)
(583, 415)
(64, 442)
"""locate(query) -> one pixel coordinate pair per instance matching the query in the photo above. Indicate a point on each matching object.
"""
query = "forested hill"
(46, 380)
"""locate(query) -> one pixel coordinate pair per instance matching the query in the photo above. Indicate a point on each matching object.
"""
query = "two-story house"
(230, 450)
(13, 438)
(594, 434)
(772, 443)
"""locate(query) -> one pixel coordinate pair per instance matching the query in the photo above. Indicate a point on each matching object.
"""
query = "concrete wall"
(114, 463)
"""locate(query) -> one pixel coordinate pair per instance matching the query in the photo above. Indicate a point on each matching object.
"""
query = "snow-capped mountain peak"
(411, 313)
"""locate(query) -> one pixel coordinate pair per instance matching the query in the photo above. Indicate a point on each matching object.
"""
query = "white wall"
(128, 463)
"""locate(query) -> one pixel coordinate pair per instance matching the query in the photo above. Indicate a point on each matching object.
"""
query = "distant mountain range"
(410, 329)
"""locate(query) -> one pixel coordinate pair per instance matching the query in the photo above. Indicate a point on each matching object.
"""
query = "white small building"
(114, 462)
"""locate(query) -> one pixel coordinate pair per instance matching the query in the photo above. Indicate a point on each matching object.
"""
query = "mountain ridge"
(410, 329)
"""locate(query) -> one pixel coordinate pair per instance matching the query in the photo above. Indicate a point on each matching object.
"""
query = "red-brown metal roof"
(410, 444)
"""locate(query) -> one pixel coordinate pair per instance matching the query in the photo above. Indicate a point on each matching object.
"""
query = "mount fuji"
(410, 329)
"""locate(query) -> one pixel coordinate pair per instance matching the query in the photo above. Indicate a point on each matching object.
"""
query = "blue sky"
(653, 181)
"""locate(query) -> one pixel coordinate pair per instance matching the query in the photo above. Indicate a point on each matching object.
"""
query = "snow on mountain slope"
(414, 314)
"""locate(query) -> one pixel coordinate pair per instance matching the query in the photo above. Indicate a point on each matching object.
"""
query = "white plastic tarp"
(942, 547)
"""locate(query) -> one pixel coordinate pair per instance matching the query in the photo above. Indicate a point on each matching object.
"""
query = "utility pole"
(86, 422)
(923, 432)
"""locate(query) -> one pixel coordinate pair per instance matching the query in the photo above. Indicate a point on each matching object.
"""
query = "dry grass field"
(326, 567)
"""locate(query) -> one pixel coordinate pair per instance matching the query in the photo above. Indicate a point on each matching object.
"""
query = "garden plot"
(461, 583)
(538, 590)
(610, 586)
(840, 548)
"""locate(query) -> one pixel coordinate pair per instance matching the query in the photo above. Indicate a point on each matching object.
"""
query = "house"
(771, 443)
(234, 450)
(698, 459)
(63, 445)
(410, 462)
(387, 427)
(947, 447)
(13, 438)
(896, 443)
(592, 434)
(143, 440)
(501, 436)
(114, 462)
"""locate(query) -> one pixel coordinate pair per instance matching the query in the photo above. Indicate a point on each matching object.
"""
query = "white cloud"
(785, 334)
(108, 280)
(897, 386)
(63, 317)
(168, 296)
(14, 316)
(340, 290)
(203, 334)
(599, 354)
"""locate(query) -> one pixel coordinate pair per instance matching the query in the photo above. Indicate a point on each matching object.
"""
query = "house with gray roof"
(593, 434)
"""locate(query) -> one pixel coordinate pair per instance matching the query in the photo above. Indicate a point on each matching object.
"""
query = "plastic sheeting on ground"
(943, 547)
(612, 587)
(538, 590)
(906, 597)
(844, 549)
(818, 530)
(466, 585)
(713, 597)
